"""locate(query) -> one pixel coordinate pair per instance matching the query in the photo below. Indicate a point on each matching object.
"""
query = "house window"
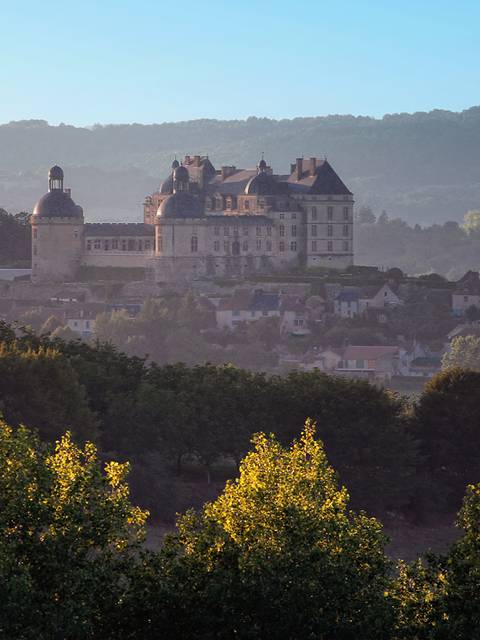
(294, 230)
(235, 230)
(281, 246)
(226, 246)
(269, 245)
(124, 245)
(35, 234)
(314, 213)
(345, 213)
(75, 234)
(194, 244)
(106, 245)
(314, 229)
(87, 324)
(114, 244)
(329, 245)
(259, 244)
(245, 245)
(259, 231)
(293, 246)
(281, 230)
(216, 245)
(282, 216)
(269, 231)
(329, 213)
(226, 231)
(314, 245)
(216, 231)
(131, 244)
(294, 216)
(97, 244)
(345, 245)
(330, 230)
(89, 245)
(246, 205)
(147, 245)
(345, 230)
(229, 204)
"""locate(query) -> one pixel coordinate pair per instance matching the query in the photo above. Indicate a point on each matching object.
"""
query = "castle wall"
(111, 259)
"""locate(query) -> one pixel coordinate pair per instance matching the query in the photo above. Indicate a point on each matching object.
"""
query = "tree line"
(421, 453)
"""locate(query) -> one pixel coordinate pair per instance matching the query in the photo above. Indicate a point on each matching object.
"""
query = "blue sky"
(86, 61)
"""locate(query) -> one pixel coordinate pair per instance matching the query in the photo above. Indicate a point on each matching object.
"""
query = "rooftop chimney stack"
(313, 166)
(299, 167)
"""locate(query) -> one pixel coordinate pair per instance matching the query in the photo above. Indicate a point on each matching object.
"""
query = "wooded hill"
(422, 167)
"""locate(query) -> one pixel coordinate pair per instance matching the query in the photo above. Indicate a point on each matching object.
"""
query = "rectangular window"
(345, 230)
(345, 245)
(293, 246)
(314, 245)
(114, 244)
(226, 246)
(314, 229)
(329, 213)
(216, 245)
(216, 231)
(281, 246)
(294, 230)
(131, 244)
(245, 231)
(97, 244)
(345, 213)
(89, 245)
(281, 230)
(329, 245)
(194, 244)
(35, 234)
(246, 205)
(282, 216)
(235, 230)
(106, 245)
(314, 213)
(147, 245)
(124, 245)
(229, 204)
(269, 231)
(259, 231)
(294, 216)
(330, 230)
(259, 245)
(245, 245)
(226, 231)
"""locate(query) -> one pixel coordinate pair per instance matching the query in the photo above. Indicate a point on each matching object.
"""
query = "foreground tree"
(67, 534)
(277, 555)
(464, 353)
(437, 599)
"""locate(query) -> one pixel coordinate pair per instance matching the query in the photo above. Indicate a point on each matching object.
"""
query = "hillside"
(422, 167)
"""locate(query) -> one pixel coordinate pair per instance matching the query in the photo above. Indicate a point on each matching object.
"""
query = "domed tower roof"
(181, 205)
(175, 164)
(262, 184)
(56, 203)
(181, 173)
(167, 185)
(262, 165)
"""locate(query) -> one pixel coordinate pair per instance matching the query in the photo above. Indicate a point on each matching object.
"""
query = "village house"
(380, 362)
(466, 293)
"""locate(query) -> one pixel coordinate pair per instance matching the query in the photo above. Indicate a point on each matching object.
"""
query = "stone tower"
(57, 233)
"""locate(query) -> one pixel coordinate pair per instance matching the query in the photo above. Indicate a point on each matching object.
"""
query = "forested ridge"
(422, 167)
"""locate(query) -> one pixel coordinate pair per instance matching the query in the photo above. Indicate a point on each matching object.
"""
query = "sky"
(102, 61)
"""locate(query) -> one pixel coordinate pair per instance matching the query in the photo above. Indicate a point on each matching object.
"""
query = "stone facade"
(205, 223)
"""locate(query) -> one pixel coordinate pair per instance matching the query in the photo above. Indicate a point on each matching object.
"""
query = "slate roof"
(325, 181)
(369, 352)
(108, 229)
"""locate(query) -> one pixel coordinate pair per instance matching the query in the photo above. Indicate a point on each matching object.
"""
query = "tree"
(41, 389)
(67, 537)
(277, 555)
(464, 353)
(471, 222)
(445, 422)
(365, 215)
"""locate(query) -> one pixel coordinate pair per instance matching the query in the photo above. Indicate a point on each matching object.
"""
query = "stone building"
(205, 223)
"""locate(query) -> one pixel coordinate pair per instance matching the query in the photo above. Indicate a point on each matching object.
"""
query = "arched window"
(194, 244)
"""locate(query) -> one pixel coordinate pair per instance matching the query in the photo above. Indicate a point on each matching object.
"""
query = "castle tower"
(57, 233)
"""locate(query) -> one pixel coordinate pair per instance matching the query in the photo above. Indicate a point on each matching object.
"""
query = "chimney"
(313, 166)
(196, 161)
(292, 168)
(299, 167)
(68, 192)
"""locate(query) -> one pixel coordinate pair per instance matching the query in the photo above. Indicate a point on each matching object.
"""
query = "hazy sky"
(88, 61)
